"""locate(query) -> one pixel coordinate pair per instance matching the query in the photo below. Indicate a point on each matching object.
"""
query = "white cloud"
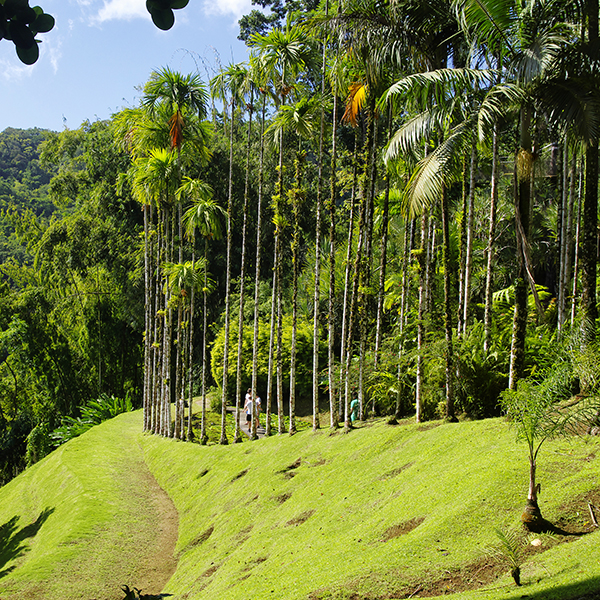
(122, 9)
(54, 52)
(236, 8)
(14, 70)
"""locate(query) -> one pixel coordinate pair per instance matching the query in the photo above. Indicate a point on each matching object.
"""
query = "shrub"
(104, 408)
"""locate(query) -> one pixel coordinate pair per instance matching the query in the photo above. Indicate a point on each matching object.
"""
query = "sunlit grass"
(376, 513)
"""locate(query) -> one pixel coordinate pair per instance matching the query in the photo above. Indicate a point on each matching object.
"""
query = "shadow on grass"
(12, 539)
(588, 589)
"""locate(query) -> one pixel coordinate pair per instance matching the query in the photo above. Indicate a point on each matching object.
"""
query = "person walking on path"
(257, 413)
(249, 408)
(354, 408)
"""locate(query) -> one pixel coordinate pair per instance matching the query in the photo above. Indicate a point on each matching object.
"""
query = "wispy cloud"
(54, 52)
(14, 70)
(122, 10)
(235, 8)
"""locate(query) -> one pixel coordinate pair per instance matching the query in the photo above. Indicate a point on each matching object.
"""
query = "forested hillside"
(396, 206)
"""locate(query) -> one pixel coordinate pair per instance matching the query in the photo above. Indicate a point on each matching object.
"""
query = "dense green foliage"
(409, 224)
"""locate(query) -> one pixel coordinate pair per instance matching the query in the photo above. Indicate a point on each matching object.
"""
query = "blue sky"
(101, 51)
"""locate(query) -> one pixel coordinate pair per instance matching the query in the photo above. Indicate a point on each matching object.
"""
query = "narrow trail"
(120, 527)
(260, 432)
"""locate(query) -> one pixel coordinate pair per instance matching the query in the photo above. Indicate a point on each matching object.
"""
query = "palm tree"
(299, 118)
(280, 54)
(155, 180)
(257, 280)
(531, 37)
(228, 81)
(453, 128)
(184, 97)
(205, 216)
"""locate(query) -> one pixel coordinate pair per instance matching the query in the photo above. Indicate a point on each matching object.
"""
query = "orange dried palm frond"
(354, 102)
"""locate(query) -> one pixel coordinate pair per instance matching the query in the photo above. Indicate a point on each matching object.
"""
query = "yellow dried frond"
(355, 101)
(524, 164)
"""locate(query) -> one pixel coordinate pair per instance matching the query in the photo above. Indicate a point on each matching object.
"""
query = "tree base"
(532, 517)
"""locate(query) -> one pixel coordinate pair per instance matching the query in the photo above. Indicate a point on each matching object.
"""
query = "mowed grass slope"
(380, 513)
(83, 521)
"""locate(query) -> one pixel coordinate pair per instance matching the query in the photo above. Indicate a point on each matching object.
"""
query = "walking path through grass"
(87, 520)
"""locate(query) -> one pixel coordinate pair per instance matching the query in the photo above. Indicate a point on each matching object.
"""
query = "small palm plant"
(546, 409)
(511, 551)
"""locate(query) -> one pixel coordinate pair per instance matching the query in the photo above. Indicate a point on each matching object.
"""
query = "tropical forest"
(322, 324)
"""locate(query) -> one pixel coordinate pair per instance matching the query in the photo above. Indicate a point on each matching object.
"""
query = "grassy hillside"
(385, 512)
(82, 522)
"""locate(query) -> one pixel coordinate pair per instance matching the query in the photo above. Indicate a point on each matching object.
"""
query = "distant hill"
(383, 512)
(23, 185)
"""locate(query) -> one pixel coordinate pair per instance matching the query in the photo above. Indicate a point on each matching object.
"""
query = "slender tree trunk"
(203, 433)
(589, 234)
(271, 354)
(344, 348)
(319, 210)
(469, 248)
(577, 239)
(190, 432)
(279, 292)
(257, 276)
(333, 412)
(367, 259)
(421, 318)
(561, 226)
(462, 250)
(383, 262)
(224, 391)
(147, 322)
(487, 319)
(238, 379)
(523, 170)
(450, 416)
(295, 259)
(352, 310)
(403, 302)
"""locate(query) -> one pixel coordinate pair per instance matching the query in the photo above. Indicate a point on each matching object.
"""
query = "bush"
(95, 412)
(304, 361)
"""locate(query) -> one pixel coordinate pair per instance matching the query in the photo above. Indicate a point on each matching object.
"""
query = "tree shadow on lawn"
(12, 539)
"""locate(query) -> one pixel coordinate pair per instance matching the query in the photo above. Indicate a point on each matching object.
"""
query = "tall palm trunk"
(523, 174)
(319, 211)
(189, 433)
(589, 234)
(469, 247)
(333, 413)
(203, 433)
(354, 310)
(344, 348)
(577, 245)
(487, 318)
(257, 275)
(421, 317)
(383, 261)
(147, 322)
(223, 439)
(403, 302)
(271, 354)
(367, 259)
(238, 379)
(295, 259)
(449, 354)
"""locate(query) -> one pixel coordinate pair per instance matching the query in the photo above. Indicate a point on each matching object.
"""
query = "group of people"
(254, 407)
(251, 407)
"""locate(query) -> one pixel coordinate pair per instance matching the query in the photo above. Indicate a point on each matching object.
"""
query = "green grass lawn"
(383, 512)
